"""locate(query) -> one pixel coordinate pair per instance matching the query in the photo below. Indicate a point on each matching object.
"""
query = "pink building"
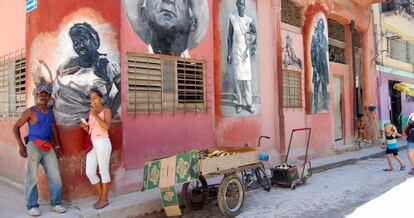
(182, 76)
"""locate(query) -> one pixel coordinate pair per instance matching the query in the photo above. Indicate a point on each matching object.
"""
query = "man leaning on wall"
(37, 149)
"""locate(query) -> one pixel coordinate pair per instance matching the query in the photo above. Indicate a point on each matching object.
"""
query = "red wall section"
(44, 26)
(154, 135)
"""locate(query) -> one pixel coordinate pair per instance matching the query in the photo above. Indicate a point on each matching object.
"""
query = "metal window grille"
(398, 49)
(291, 14)
(158, 83)
(336, 30)
(12, 84)
(292, 89)
(337, 51)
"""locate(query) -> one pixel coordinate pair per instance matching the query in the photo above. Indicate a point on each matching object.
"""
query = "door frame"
(341, 78)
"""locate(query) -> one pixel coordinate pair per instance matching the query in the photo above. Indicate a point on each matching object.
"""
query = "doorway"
(338, 121)
(395, 103)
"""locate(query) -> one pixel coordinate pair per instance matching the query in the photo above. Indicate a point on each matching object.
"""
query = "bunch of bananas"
(205, 154)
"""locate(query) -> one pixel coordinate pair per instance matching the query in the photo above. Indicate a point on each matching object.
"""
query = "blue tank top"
(42, 129)
(391, 142)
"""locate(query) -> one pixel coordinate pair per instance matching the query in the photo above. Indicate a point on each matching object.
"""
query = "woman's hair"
(97, 92)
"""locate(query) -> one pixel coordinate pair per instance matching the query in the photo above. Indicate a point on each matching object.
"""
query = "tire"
(262, 178)
(193, 195)
(231, 195)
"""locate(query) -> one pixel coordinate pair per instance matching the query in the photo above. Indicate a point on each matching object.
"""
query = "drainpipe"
(354, 75)
(276, 6)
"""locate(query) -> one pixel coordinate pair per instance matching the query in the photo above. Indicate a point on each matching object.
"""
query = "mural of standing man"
(241, 46)
(320, 71)
(169, 27)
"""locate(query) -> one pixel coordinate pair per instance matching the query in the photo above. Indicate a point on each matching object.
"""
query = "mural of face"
(170, 27)
(85, 43)
(241, 5)
(170, 23)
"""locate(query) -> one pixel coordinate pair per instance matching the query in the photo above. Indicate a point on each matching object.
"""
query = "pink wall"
(155, 135)
(12, 38)
(12, 26)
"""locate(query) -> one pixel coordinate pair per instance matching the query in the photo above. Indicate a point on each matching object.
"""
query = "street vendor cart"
(192, 170)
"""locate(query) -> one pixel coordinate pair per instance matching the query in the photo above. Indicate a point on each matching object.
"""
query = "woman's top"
(95, 130)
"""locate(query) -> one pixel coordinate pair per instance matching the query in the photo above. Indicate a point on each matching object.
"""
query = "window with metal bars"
(402, 50)
(12, 84)
(291, 14)
(292, 89)
(159, 83)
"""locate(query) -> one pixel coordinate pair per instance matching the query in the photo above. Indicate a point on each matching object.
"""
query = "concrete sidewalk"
(142, 203)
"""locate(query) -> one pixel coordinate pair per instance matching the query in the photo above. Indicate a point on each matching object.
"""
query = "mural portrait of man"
(241, 49)
(77, 75)
(289, 55)
(320, 71)
(169, 27)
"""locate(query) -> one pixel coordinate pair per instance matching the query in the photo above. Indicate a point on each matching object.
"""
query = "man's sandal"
(386, 169)
(402, 168)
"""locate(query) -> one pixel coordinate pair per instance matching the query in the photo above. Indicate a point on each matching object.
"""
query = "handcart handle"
(260, 138)
(307, 143)
(301, 129)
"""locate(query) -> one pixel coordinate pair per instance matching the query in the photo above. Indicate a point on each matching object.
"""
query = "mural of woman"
(169, 27)
(79, 74)
(320, 71)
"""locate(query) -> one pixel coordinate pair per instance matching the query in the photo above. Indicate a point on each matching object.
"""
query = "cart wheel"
(193, 195)
(247, 177)
(231, 195)
(293, 186)
(304, 180)
(262, 178)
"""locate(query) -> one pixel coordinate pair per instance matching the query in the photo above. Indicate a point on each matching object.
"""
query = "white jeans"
(99, 156)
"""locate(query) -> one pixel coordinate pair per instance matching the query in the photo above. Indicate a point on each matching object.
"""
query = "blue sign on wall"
(31, 5)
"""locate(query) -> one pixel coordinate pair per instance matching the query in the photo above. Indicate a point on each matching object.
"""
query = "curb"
(329, 166)
(17, 186)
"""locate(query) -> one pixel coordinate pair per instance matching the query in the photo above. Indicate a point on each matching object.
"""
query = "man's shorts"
(410, 145)
(393, 151)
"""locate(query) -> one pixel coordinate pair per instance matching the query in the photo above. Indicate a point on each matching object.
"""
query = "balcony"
(399, 7)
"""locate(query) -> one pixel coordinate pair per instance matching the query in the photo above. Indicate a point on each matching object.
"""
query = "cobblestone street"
(333, 193)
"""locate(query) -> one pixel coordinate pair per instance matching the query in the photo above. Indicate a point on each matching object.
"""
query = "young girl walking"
(391, 135)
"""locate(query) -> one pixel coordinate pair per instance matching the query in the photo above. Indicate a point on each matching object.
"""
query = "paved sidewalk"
(139, 204)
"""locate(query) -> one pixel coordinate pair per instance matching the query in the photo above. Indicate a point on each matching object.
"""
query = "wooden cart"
(230, 192)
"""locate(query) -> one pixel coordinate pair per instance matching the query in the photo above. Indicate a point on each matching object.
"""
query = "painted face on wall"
(167, 13)
(170, 24)
(84, 44)
(241, 5)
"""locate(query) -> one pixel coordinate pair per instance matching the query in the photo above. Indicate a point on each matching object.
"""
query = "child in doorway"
(391, 134)
(361, 127)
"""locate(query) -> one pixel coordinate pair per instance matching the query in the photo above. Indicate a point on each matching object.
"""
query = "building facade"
(183, 75)
(395, 59)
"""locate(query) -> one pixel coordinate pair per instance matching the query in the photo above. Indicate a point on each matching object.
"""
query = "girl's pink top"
(95, 130)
